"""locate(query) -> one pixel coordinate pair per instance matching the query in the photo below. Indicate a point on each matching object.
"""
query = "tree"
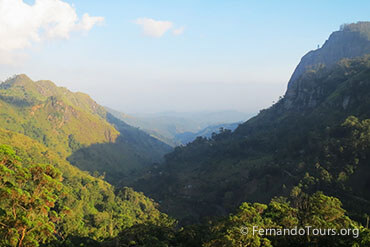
(27, 196)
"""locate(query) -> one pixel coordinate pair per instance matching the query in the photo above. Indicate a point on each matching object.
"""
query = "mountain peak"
(20, 89)
(22, 77)
(351, 41)
(17, 80)
(362, 27)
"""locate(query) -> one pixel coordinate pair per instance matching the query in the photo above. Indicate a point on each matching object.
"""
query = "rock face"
(351, 41)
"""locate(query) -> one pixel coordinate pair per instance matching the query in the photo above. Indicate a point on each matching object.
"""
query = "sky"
(143, 56)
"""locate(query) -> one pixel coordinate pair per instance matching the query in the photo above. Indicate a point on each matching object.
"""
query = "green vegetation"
(301, 211)
(28, 197)
(291, 166)
(317, 211)
(72, 124)
(307, 139)
(41, 204)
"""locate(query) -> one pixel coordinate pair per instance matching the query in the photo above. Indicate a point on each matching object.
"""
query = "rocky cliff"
(351, 41)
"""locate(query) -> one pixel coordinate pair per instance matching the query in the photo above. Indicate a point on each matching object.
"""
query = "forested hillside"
(315, 138)
(75, 126)
(44, 199)
(47, 202)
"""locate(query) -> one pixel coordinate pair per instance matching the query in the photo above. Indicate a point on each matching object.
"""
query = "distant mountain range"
(176, 128)
(207, 132)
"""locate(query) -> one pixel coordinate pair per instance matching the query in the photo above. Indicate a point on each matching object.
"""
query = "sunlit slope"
(68, 122)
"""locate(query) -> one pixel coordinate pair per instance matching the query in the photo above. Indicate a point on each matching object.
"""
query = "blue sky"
(231, 54)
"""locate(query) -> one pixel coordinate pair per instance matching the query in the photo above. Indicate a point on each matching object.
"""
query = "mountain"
(207, 132)
(352, 40)
(170, 127)
(281, 170)
(76, 127)
(47, 200)
(315, 138)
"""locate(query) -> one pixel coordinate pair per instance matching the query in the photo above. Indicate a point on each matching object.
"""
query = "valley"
(176, 128)
(75, 173)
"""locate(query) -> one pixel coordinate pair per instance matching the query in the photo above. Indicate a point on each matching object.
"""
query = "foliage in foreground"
(28, 196)
(39, 205)
(317, 211)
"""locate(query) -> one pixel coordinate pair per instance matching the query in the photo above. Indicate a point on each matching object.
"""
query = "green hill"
(72, 124)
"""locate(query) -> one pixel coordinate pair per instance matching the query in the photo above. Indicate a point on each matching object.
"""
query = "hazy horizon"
(183, 56)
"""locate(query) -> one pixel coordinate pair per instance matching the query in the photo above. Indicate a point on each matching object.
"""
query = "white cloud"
(22, 24)
(154, 28)
(178, 31)
(89, 22)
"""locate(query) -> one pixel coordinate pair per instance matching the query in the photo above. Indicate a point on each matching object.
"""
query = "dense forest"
(70, 171)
